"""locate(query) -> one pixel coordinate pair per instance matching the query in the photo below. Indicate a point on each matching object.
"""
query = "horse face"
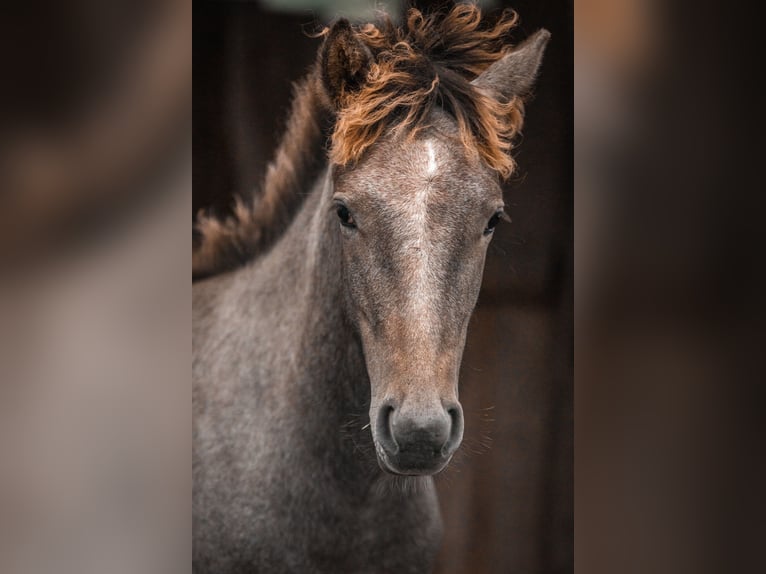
(415, 218)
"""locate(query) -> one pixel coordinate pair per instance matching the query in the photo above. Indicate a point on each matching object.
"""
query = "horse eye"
(493, 221)
(345, 216)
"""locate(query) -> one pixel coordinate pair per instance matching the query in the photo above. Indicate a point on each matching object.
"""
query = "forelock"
(424, 64)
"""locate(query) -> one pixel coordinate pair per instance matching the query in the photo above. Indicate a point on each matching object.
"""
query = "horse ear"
(515, 73)
(344, 61)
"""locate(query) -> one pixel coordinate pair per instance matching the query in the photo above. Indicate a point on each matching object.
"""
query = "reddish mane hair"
(426, 63)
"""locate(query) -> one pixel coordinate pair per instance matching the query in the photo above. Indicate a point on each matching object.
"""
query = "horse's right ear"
(344, 61)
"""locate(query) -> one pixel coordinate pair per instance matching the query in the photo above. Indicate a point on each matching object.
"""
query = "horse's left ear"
(515, 73)
(344, 61)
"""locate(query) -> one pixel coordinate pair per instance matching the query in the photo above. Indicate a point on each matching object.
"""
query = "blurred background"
(507, 498)
(669, 289)
(95, 329)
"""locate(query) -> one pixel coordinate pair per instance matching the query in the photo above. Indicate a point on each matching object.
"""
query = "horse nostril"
(454, 415)
(384, 429)
(456, 431)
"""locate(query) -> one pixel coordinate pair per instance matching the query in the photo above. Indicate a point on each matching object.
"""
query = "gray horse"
(330, 325)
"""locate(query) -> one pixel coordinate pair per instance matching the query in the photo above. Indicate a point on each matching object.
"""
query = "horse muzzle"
(417, 441)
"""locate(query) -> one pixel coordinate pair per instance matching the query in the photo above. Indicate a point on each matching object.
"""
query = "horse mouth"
(412, 462)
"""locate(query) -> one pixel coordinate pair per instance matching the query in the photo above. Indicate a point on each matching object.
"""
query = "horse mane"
(256, 222)
(428, 62)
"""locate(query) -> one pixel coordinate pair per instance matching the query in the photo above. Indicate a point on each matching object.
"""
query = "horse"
(330, 313)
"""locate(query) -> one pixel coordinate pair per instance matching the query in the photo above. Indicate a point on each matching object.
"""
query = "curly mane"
(429, 62)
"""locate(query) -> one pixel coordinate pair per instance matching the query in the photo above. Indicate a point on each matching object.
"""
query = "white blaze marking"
(422, 288)
(431, 158)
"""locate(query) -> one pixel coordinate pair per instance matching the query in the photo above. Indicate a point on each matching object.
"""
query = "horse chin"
(412, 467)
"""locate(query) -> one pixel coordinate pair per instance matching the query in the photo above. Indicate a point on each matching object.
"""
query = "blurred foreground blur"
(669, 473)
(95, 188)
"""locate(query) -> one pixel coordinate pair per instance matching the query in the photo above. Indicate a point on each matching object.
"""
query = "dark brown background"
(507, 499)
